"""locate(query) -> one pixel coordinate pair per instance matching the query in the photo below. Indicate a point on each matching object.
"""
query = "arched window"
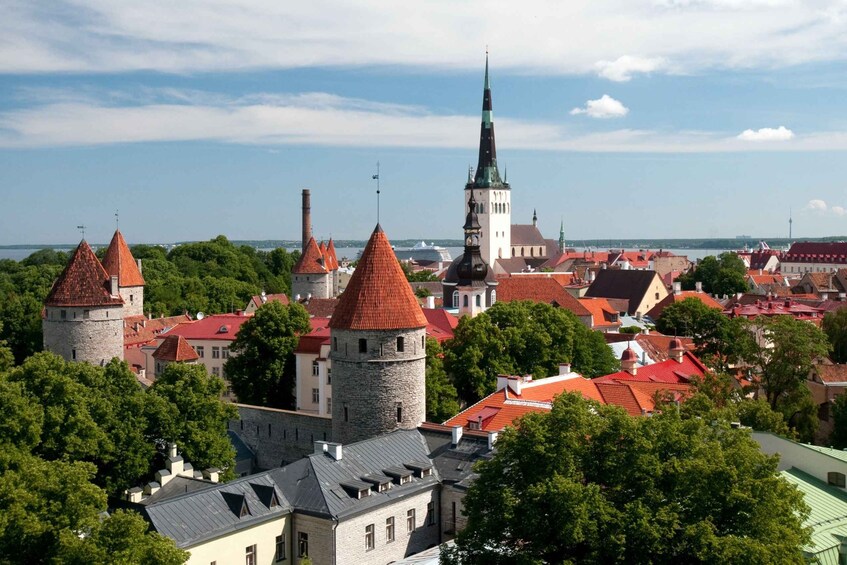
(532, 252)
(522, 251)
(479, 301)
(493, 297)
(455, 299)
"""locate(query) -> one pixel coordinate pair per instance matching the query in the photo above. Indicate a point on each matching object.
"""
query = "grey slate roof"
(214, 511)
(455, 462)
(631, 285)
(314, 483)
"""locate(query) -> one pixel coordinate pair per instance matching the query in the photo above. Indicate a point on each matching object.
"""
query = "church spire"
(487, 175)
(562, 237)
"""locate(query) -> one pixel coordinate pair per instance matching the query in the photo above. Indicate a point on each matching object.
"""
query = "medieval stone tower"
(83, 314)
(311, 276)
(493, 196)
(378, 349)
(119, 261)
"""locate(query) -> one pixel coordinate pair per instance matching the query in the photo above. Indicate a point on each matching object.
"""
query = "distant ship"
(423, 252)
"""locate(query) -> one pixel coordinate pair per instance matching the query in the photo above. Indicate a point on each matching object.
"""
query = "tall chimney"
(307, 217)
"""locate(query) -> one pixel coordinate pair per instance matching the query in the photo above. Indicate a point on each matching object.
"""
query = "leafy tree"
(587, 483)
(442, 401)
(719, 275)
(835, 327)
(422, 292)
(197, 418)
(7, 358)
(417, 276)
(784, 353)
(838, 437)
(521, 337)
(261, 368)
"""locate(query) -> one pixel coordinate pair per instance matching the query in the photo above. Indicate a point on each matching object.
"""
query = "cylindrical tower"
(378, 349)
(307, 218)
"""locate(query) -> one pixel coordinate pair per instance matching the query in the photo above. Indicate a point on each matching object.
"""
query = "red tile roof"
(118, 260)
(311, 262)
(831, 373)
(775, 307)
(536, 289)
(320, 307)
(331, 256)
(440, 323)
(602, 313)
(666, 372)
(217, 327)
(259, 299)
(312, 341)
(816, 252)
(673, 298)
(139, 330)
(378, 296)
(84, 282)
(175, 348)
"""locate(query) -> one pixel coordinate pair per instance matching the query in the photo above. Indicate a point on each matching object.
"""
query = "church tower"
(491, 193)
(378, 349)
(83, 314)
(119, 261)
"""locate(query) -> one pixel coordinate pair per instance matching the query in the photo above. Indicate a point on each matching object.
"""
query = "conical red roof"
(175, 348)
(333, 258)
(84, 282)
(378, 296)
(311, 262)
(118, 260)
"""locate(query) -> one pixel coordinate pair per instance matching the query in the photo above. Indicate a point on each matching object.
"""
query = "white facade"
(262, 540)
(790, 268)
(314, 382)
(494, 211)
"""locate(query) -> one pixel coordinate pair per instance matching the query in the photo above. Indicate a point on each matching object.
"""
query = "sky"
(621, 119)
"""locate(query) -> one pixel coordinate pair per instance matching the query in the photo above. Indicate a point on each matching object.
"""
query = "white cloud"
(821, 207)
(767, 134)
(603, 107)
(622, 69)
(839, 210)
(627, 38)
(817, 205)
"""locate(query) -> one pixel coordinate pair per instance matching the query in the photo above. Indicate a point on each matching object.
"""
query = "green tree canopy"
(261, 368)
(522, 337)
(719, 275)
(587, 483)
(835, 327)
(442, 401)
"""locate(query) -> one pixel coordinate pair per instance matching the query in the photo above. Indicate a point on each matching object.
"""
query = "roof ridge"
(83, 282)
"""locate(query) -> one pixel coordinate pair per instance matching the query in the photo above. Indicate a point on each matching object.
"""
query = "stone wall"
(370, 387)
(278, 437)
(133, 300)
(319, 286)
(321, 550)
(94, 335)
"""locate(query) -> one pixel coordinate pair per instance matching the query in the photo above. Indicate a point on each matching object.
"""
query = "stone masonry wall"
(319, 286)
(321, 539)
(133, 300)
(278, 437)
(95, 334)
(372, 385)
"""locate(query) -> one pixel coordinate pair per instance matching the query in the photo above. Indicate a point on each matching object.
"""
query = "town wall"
(89, 334)
(278, 437)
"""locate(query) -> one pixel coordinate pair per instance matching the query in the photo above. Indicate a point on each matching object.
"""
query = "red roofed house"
(378, 349)
(259, 299)
(814, 257)
(826, 382)
(174, 349)
(680, 368)
(83, 313)
(775, 307)
(541, 289)
(678, 295)
(119, 261)
(642, 289)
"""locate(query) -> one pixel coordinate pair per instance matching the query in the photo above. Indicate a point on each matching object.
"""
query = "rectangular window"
(73, 354)
(280, 548)
(86, 314)
(400, 345)
(316, 396)
(225, 352)
(399, 409)
(216, 371)
(836, 479)
(430, 514)
(302, 544)
(329, 404)
(130, 298)
(389, 529)
(328, 376)
(335, 344)
(346, 414)
(201, 351)
(316, 368)
(216, 352)
(250, 555)
(63, 314)
(410, 520)
(369, 537)
(363, 345)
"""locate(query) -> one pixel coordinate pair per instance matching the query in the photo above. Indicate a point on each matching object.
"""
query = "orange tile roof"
(259, 299)
(311, 262)
(831, 373)
(84, 282)
(118, 260)
(673, 298)
(331, 256)
(666, 372)
(217, 327)
(544, 289)
(175, 348)
(602, 312)
(378, 296)
(139, 330)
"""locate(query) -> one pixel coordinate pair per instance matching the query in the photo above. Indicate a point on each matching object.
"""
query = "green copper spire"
(562, 237)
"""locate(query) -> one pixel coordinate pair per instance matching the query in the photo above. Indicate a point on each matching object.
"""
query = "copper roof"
(311, 262)
(84, 282)
(378, 296)
(175, 348)
(118, 260)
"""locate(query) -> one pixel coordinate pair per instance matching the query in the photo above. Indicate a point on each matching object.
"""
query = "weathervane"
(376, 178)
(81, 230)
(117, 219)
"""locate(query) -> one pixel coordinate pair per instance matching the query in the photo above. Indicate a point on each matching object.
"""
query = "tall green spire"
(487, 175)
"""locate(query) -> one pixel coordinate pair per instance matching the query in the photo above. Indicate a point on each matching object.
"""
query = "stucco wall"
(231, 548)
(96, 338)
(371, 385)
(278, 436)
(793, 454)
(496, 239)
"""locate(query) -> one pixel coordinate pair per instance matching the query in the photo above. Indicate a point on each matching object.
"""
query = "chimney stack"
(677, 288)
(307, 217)
(114, 286)
(456, 434)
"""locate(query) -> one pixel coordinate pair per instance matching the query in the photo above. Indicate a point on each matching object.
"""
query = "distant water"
(353, 252)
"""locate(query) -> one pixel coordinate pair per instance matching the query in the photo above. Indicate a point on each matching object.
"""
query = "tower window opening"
(363, 345)
(399, 410)
(466, 301)
(479, 300)
(346, 413)
(73, 354)
(400, 345)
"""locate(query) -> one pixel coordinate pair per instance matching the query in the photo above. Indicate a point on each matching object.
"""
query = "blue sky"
(627, 119)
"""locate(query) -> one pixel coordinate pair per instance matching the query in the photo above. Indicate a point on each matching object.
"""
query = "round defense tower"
(378, 350)
(119, 261)
(83, 314)
(310, 277)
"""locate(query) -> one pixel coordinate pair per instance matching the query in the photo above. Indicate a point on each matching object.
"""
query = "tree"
(7, 358)
(197, 418)
(442, 401)
(838, 437)
(521, 337)
(835, 327)
(417, 276)
(719, 275)
(261, 368)
(587, 483)
(784, 353)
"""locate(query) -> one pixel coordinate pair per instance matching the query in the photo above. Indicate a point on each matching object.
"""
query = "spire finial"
(81, 230)
(376, 178)
(117, 219)
(487, 85)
